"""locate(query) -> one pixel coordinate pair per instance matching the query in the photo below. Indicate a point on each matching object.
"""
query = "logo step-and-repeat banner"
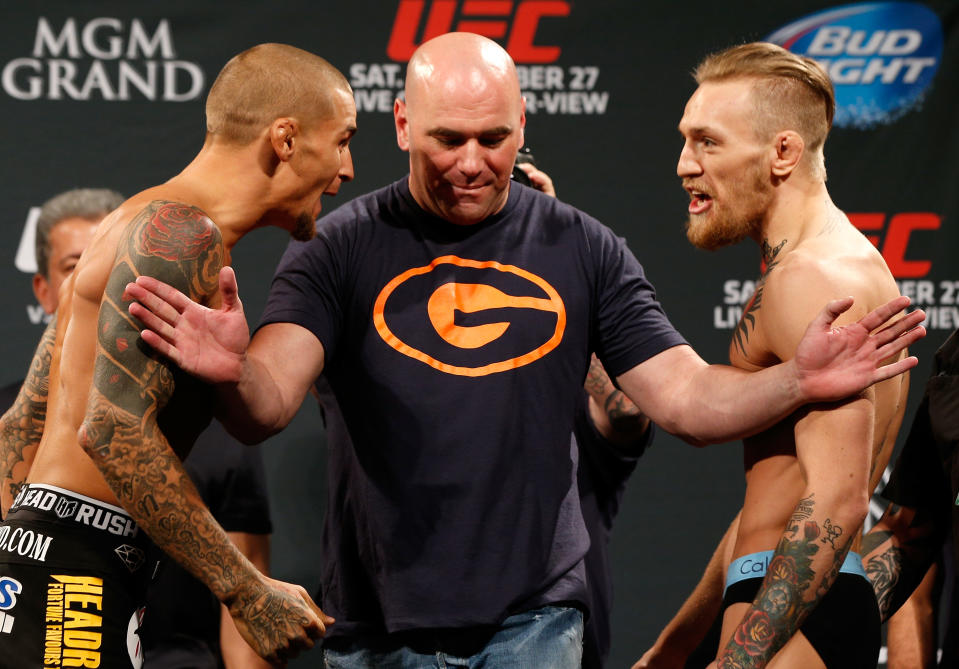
(110, 94)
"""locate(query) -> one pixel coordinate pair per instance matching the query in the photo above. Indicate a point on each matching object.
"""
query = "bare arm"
(705, 404)
(121, 435)
(260, 384)
(614, 415)
(22, 425)
(236, 652)
(834, 445)
(897, 553)
(691, 623)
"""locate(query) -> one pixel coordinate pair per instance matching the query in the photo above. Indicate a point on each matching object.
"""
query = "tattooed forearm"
(898, 551)
(22, 426)
(151, 484)
(132, 386)
(796, 579)
(804, 508)
(883, 571)
(597, 381)
(624, 417)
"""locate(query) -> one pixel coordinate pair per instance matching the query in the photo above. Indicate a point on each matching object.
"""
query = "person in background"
(65, 226)
(923, 517)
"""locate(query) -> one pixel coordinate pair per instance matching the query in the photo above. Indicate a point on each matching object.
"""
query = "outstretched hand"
(208, 343)
(833, 363)
(279, 620)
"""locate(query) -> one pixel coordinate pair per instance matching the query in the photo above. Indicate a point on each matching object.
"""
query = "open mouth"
(699, 202)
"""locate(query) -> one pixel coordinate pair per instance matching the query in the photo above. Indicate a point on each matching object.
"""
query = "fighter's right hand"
(279, 620)
(207, 343)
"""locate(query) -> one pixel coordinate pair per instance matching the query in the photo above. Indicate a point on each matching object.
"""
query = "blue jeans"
(546, 638)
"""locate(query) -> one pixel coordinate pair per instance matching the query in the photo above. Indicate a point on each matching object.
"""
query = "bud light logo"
(881, 56)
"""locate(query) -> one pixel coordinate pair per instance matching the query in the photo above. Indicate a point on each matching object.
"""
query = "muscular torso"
(774, 479)
(60, 460)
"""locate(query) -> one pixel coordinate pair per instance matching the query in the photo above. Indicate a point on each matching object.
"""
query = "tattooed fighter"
(753, 165)
(91, 452)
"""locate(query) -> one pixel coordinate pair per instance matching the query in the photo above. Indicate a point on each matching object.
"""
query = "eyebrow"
(696, 130)
(448, 132)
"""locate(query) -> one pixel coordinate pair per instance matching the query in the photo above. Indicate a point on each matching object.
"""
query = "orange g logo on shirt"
(471, 298)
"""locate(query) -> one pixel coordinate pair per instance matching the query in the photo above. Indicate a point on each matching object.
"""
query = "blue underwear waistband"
(754, 565)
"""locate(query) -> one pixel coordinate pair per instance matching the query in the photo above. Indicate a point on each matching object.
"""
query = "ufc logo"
(894, 242)
(496, 23)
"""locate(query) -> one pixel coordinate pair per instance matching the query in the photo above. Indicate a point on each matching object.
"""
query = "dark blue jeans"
(547, 638)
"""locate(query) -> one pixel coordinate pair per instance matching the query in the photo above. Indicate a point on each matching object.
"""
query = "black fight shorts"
(73, 578)
(844, 628)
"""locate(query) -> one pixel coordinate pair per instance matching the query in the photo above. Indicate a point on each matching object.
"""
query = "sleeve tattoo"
(791, 588)
(22, 425)
(131, 385)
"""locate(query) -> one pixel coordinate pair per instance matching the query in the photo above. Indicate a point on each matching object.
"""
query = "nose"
(470, 160)
(346, 166)
(688, 166)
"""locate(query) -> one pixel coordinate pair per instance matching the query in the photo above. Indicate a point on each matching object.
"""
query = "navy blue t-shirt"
(457, 355)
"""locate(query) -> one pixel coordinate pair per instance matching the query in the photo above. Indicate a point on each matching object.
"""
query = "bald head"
(457, 64)
(462, 123)
(267, 82)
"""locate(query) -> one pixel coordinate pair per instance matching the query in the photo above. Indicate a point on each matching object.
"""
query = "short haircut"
(89, 203)
(267, 82)
(791, 92)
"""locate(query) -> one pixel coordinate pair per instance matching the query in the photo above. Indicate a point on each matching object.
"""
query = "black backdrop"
(111, 94)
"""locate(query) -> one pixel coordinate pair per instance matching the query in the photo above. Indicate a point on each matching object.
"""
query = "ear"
(41, 290)
(402, 122)
(283, 132)
(522, 122)
(789, 148)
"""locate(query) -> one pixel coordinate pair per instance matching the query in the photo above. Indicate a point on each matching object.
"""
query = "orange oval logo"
(453, 297)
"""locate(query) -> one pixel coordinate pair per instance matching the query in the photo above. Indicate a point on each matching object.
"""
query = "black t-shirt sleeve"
(631, 324)
(305, 289)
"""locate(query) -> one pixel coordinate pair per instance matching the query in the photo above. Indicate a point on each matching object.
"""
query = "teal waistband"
(754, 565)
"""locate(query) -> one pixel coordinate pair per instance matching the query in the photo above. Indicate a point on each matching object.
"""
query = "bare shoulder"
(176, 243)
(823, 269)
(167, 239)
